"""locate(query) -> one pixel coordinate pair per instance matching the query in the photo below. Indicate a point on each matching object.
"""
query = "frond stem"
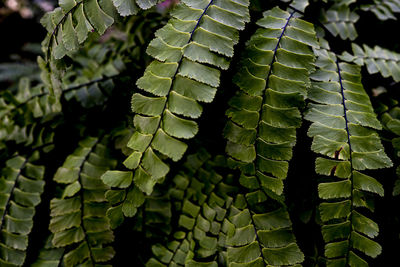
(350, 153)
(83, 202)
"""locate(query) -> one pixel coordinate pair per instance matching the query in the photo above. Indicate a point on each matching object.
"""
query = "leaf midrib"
(350, 155)
(173, 78)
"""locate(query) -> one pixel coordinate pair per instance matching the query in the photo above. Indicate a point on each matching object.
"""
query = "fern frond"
(273, 82)
(261, 133)
(69, 25)
(21, 185)
(189, 51)
(91, 93)
(381, 60)
(258, 236)
(343, 130)
(340, 20)
(90, 78)
(201, 198)
(383, 9)
(20, 115)
(78, 219)
(217, 227)
(34, 99)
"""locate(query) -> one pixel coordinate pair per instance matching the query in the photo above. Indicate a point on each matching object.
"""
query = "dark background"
(301, 185)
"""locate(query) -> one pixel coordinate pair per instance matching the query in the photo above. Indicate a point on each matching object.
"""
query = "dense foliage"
(204, 133)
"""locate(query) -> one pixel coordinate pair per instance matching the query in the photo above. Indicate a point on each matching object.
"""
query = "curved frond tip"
(189, 52)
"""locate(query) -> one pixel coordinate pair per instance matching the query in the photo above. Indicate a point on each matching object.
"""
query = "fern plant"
(203, 133)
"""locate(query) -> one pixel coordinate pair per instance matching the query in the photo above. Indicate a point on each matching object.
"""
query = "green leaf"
(69, 36)
(97, 17)
(202, 199)
(78, 218)
(117, 179)
(168, 145)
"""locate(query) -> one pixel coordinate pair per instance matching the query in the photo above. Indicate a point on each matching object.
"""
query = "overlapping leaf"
(21, 185)
(189, 51)
(201, 198)
(343, 131)
(78, 219)
(381, 60)
(153, 219)
(258, 236)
